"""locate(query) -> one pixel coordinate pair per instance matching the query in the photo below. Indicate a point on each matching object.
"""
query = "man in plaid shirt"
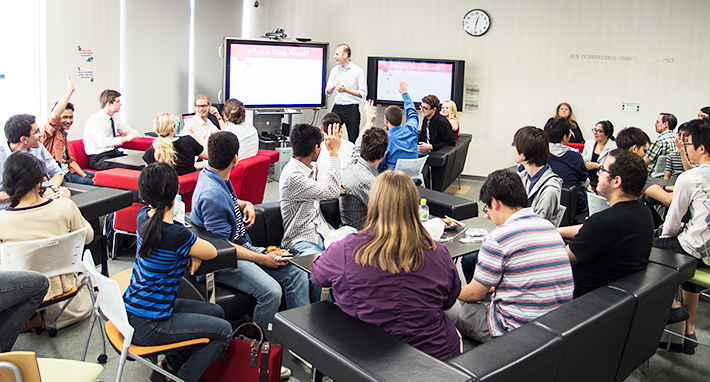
(665, 143)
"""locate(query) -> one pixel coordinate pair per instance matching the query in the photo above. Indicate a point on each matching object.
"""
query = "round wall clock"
(476, 22)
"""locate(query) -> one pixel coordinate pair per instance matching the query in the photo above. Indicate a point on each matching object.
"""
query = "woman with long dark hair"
(165, 248)
(392, 273)
(597, 149)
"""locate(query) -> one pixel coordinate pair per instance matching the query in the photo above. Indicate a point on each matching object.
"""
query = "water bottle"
(423, 210)
(179, 210)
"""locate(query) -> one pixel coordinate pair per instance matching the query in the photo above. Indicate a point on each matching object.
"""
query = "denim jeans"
(21, 293)
(264, 283)
(76, 178)
(307, 248)
(468, 265)
(191, 319)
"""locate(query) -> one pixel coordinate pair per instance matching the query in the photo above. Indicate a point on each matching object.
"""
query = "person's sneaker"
(689, 346)
(285, 373)
(678, 314)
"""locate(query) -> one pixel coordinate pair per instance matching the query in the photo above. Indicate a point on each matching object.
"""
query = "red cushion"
(256, 170)
(578, 146)
(77, 149)
(125, 219)
(273, 155)
(122, 178)
(140, 143)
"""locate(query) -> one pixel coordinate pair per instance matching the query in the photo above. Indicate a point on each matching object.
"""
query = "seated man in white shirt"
(300, 193)
(691, 197)
(22, 133)
(201, 121)
(104, 132)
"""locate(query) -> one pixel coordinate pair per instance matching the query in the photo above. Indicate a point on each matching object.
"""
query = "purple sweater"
(409, 306)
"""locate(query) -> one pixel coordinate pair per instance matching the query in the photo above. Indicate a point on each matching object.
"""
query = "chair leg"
(113, 249)
(155, 367)
(646, 370)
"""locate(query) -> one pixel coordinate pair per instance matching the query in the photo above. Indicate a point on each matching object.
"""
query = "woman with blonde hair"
(392, 273)
(564, 110)
(178, 152)
(235, 113)
(448, 110)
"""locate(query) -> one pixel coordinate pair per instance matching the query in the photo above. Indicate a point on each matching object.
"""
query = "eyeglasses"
(198, 106)
(602, 169)
(485, 209)
(686, 144)
(597, 131)
(426, 108)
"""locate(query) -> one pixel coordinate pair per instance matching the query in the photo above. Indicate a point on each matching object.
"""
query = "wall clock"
(476, 22)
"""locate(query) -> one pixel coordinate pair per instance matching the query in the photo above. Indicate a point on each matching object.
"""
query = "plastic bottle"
(423, 210)
(179, 210)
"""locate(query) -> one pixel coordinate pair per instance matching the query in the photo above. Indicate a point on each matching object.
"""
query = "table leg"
(316, 376)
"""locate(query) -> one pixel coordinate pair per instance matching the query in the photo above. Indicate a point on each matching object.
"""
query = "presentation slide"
(275, 75)
(423, 79)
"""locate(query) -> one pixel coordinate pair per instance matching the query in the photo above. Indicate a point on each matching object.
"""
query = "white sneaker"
(285, 373)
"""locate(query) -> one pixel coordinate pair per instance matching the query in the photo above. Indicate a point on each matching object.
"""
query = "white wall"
(20, 61)
(214, 20)
(523, 65)
(92, 25)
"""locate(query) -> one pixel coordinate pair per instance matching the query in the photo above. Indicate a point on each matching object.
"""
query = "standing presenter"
(347, 80)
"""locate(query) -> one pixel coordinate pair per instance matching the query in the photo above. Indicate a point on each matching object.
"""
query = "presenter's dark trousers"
(350, 116)
(98, 162)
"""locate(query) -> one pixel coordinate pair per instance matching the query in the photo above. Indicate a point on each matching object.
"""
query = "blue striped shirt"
(155, 280)
(525, 259)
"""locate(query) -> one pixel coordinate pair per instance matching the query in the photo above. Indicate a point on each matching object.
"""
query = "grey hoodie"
(545, 195)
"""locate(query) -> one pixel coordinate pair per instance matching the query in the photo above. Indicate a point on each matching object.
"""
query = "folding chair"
(51, 257)
(109, 305)
(412, 167)
(702, 278)
(25, 366)
(596, 203)
(660, 168)
(124, 222)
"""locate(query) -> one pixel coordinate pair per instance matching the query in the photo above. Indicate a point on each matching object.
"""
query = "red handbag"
(247, 360)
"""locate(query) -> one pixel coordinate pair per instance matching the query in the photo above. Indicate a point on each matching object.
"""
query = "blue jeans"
(76, 178)
(191, 319)
(21, 293)
(264, 283)
(307, 248)
(468, 265)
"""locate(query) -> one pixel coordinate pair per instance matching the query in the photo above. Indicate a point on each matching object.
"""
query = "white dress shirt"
(353, 77)
(98, 137)
(205, 127)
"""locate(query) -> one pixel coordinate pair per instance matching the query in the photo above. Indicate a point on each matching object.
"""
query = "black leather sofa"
(268, 230)
(602, 336)
(447, 163)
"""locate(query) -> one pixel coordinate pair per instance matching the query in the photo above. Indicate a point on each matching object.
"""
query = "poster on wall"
(471, 106)
(85, 74)
(631, 105)
(84, 55)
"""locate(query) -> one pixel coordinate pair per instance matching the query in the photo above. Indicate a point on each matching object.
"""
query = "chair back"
(109, 300)
(412, 167)
(660, 168)
(560, 215)
(53, 256)
(596, 203)
(24, 362)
